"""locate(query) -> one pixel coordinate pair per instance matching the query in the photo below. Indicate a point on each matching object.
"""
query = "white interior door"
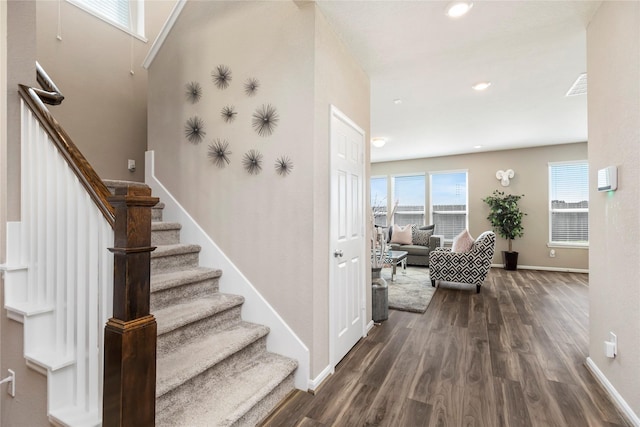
(347, 289)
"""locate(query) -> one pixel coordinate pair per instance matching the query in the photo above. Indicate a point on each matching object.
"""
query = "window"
(379, 200)
(569, 203)
(127, 15)
(409, 192)
(449, 203)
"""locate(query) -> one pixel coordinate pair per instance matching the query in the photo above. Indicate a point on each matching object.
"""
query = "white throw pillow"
(462, 242)
(401, 235)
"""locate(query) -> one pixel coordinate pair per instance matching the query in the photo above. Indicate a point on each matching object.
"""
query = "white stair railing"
(59, 278)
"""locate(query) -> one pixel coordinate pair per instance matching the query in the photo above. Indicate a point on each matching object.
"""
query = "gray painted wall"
(613, 65)
(105, 110)
(274, 228)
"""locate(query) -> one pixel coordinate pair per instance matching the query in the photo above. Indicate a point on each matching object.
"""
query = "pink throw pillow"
(401, 235)
(462, 242)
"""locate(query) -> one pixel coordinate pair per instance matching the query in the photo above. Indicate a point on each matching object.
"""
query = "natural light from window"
(127, 15)
(449, 201)
(409, 192)
(379, 200)
(569, 204)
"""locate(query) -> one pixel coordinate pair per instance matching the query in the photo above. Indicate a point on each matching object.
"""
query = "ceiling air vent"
(579, 87)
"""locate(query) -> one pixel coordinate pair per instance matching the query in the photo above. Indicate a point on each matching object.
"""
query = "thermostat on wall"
(608, 178)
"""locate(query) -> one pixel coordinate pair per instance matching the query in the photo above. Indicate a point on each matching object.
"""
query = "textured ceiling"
(531, 51)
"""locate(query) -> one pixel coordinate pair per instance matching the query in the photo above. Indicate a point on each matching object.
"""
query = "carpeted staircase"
(213, 368)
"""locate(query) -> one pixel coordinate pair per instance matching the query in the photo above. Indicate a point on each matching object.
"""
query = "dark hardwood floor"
(512, 355)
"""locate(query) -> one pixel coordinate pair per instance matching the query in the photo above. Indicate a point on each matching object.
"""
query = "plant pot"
(510, 260)
(379, 296)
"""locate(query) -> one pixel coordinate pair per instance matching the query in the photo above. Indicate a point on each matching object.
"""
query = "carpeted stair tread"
(177, 249)
(178, 315)
(213, 369)
(156, 212)
(225, 402)
(160, 282)
(196, 357)
(161, 225)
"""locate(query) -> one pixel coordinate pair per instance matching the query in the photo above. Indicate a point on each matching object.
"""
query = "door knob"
(338, 253)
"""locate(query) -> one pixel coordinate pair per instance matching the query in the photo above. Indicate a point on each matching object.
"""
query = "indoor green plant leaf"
(505, 215)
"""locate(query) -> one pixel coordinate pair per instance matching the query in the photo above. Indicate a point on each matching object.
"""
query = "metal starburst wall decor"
(228, 113)
(284, 165)
(194, 130)
(219, 152)
(252, 162)
(221, 76)
(265, 119)
(251, 86)
(193, 92)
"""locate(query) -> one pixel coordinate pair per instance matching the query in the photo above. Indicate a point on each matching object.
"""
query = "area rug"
(411, 291)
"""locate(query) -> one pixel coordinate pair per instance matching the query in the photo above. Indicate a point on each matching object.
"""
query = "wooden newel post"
(130, 335)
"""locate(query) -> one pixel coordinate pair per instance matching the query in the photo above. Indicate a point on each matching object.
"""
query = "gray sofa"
(418, 254)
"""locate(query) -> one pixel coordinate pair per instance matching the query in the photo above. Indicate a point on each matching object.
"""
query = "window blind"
(409, 191)
(449, 209)
(569, 203)
(127, 15)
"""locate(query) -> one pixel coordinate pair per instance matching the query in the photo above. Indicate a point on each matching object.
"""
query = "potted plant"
(505, 217)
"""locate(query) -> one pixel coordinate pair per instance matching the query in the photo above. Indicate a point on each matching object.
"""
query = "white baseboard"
(613, 393)
(281, 339)
(535, 267)
(369, 327)
(315, 383)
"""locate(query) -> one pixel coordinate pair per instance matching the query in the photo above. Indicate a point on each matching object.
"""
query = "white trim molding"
(281, 339)
(370, 326)
(315, 382)
(540, 268)
(618, 400)
(164, 32)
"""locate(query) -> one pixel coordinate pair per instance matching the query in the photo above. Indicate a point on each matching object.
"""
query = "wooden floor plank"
(414, 413)
(512, 355)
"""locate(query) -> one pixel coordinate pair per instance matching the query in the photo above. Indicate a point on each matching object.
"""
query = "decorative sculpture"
(504, 176)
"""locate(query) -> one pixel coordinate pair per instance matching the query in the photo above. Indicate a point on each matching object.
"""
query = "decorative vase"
(379, 296)
(510, 260)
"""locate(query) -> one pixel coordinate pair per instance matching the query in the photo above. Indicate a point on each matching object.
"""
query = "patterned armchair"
(464, 267)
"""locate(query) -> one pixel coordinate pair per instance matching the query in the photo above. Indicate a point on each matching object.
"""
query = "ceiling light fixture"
(378, 142)
(397, 101)
(458, 9)
(477, 147)
(481, 86)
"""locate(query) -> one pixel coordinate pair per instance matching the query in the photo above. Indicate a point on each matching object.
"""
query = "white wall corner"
(618, 400)
(281, 339)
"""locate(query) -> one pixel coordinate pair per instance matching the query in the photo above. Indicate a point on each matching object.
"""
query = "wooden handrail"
(131, 334)
(77, 162)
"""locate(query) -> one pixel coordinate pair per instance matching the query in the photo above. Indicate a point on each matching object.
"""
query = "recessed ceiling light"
(378, 142)
(458, 9)
(477, 146)
(397, 101)
(481, 85)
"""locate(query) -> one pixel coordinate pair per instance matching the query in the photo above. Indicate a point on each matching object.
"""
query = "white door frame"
(336, 114)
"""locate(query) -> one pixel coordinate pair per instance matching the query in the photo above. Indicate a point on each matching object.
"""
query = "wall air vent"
(579, 87)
